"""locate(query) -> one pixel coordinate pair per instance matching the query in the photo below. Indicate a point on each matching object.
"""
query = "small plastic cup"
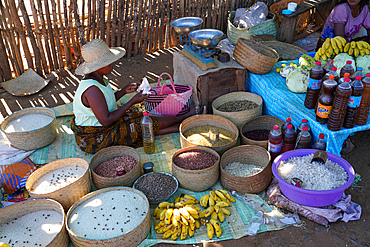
(292, 6)
(148, 167)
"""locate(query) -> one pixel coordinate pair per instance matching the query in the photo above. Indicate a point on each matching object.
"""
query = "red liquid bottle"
(314, 85)
(275, 142)
(284, 126)
(359, 72)
(347, 69)
(324, 103)
(333, 71)
(289, 139)
(341, 80)
(303, 139)
(328, 65)
(353, 103)
(320, 144)
(339, 108)
(363, 111)
(304, 123)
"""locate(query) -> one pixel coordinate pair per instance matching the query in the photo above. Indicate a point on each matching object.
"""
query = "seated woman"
(346, 20)
(98, 122)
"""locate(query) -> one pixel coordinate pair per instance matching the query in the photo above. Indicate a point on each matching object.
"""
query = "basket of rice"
(238, 107)
(207, 130)
(256, 57)
(246, 169)
(196, 168)
(34, 223)
(256, 131)
(30, 128)
(115, 166)
(64, 180)
(114, 217)
(320, 185)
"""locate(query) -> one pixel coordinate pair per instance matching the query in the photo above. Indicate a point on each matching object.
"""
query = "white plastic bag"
(246, 18)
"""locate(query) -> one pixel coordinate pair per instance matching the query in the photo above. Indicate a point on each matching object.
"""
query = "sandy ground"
(355, 233)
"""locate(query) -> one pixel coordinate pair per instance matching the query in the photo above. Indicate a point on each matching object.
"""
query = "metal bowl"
(184, 25)
(206, 38)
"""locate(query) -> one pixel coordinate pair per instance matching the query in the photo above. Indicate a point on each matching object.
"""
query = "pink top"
(342, 14)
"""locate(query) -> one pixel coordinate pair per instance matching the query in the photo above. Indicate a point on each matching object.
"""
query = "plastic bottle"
(304, 123)
(346, 75)
(256, 222)
(339, 108)
(289, 139)
(359, 72)
(303, 139)
(314, 85)
(353, 103)
(148, 133)
(333, 71)
(347, 69)
(328, 65)
(284, 126)
(246, 199)
(324, 103)
(275, 142)
(363, 111)
(320, 144)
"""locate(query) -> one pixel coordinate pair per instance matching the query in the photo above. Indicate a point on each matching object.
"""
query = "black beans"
(156, 186)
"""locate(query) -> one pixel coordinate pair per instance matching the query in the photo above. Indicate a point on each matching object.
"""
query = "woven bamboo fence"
(47, 35)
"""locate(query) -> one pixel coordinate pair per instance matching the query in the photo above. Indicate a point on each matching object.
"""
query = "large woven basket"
(26, 207)
(68, 194)
(247, 154)
(269, 26)
(256, 57)
(286, 51)
(207, 119)
(196, 180)
(109, 153)
(261, 122)
(130, 239)
(241, 117)
(34, 139)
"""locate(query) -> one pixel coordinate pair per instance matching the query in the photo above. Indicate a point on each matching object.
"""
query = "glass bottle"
(275, 142)
(303, 139)
(353, 103)
(347, 69)
(324, 103)
(314, 85)
(289, 139)
(363, 111)
(148, 133)
(320, 144)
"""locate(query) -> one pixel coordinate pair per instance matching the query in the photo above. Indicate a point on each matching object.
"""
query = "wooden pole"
(56, 32)
(126, 26)
(94, 20)
(167, 31)
(182, 8)
(157, 25)
(148, 27)
(80, 32)
(67, 49)
(138, 19)
(83, 17)
(5, 72)
(120, 22)
(68, 30)
(114, 23)
(102, 19)
(142, 29)
(131, 32)
(89, 25)
(173, 17)
(108, 24)
(51, 36)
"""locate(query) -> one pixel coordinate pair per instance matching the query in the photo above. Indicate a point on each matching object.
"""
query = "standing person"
(97, 121)
(346, 20)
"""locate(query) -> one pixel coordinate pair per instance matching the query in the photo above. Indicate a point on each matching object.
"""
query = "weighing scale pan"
(184, 25)
(206, 38)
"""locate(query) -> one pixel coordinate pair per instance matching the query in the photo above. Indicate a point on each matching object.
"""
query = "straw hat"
(97, 55)
(27, 83)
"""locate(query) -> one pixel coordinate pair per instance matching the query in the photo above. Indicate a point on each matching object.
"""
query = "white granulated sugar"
(57, 179)
(108, 215)
(315, 176)
(242, 170)
(34, 229)
(28, 122)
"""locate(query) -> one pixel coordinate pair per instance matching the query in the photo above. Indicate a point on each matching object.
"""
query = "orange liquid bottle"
(326, 100)
(353, 103)
(347, 69)
(314, 85)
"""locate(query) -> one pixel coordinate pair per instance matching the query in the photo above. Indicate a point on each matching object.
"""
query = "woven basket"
(130, 239)
(247, 154)
(26, 207)
(207, 119)
(269, 26)
(68, 194)
(109, 153)
(196, 180)
(34, 139)
(286, 51)
(256, 57)
(302, 21)
(241, 117)
(261, 122)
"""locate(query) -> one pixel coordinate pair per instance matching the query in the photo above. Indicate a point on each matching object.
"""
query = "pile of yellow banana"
(177, 219)
(357, 48)
(215, 203)
(331, 47)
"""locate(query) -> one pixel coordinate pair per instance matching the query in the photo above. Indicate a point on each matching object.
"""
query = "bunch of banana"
(357, 48)
(331, 47)
(177, 219)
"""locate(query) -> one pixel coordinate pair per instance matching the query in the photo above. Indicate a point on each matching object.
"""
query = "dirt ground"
(354, 233)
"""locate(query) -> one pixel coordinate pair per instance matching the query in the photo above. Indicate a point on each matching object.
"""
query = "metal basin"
(206, 38)
(184, 25)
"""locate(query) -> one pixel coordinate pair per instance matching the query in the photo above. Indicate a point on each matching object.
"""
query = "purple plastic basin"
(312, 198)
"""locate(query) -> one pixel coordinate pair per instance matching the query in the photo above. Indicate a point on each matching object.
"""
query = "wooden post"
(138, 27)
(142, 29)
(102, 19)
(5, 72)
(51, 36)
(126, 25)
(94, 20)
(182, 8)
(80, 32)
(161, 26)
(114, 24)
(56, 32)
(68, 30)
(89, 25)
(108, 23)
(149, 21)
(120, 22)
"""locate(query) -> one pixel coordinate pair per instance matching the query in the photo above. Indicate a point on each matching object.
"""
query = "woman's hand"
(138, 98)
(132, 87)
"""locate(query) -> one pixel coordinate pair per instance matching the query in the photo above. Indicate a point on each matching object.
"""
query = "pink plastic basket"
(168, 100)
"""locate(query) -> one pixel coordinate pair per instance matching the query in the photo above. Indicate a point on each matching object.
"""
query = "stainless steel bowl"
(184, 25)
(206, 38)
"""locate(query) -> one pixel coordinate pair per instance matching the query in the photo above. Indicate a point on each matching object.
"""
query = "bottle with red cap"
(339, 107)
(275, 142)
(348, 68)
(289, 139)
(333, 71)
(320, 144)
(303, 139)
(359, 72)
(284, 126)
(314, 85)
(328, 65)
(325, 101)
(353, 103)
(363, 111)
(341, 80)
